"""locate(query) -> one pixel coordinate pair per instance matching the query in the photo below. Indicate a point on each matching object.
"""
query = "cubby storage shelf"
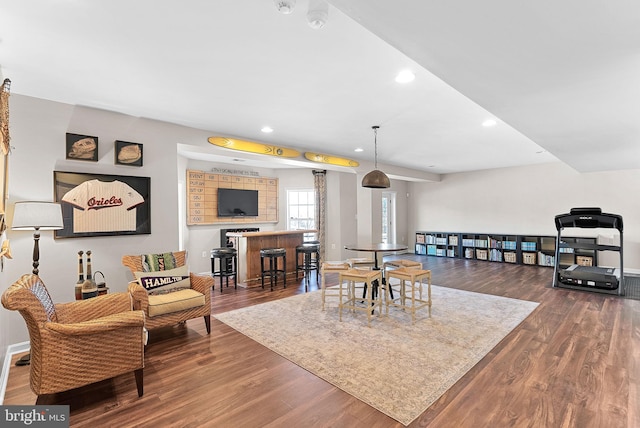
(505, 248)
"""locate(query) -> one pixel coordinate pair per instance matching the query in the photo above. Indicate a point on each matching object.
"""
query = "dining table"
(375, 248)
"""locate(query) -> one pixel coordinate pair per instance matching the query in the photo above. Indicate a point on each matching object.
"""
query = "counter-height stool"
(273, 255)
(227, 265)
(309, 252)
(397, 264)
(347, 283)
(338, 266)
(411, 283)
(361, 262)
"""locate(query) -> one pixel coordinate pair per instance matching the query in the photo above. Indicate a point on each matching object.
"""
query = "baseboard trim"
(16, 348)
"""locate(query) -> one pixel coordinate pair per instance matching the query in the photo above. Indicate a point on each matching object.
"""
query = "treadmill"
(609, 280)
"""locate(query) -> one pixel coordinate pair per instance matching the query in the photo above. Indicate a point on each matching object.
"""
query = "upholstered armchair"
(77, 343)
(166, 291)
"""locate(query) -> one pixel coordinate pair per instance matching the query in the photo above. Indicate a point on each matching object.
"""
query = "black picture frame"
(122, 208)
(127, 153)
(82, 147)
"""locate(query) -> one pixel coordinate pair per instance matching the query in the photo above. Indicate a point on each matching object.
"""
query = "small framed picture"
(82, 147)
(128, 153)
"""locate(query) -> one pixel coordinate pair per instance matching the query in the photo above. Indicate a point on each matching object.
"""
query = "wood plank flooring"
(575, 362)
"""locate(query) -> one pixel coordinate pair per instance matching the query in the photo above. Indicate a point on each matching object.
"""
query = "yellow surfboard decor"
(332, 160)
(253, 147)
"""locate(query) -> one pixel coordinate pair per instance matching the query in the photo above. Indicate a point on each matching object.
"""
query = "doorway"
(389, 217)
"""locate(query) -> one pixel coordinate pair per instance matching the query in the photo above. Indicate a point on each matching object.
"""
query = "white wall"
(525, 200)
(341, 214)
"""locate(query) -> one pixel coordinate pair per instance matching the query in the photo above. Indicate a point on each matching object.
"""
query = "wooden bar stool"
(227, 265)
(371, 299)
(411, 282)
(361, 262)
(273, 254)
(331, 267)
(399, 263)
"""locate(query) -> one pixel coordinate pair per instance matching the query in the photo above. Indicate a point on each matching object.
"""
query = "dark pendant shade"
(376, 179)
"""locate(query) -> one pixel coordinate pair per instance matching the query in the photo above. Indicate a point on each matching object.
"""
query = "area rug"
(394, 366)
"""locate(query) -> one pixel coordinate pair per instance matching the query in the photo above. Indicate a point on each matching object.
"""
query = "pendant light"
(376, 179)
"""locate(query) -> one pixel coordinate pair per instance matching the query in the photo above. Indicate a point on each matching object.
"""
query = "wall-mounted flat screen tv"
(237, 203)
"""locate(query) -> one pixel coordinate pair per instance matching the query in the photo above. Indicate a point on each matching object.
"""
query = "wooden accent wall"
(202, 197)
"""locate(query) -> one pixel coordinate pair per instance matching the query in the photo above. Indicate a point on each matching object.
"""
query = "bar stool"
(361, 262)
(273, 254)
(371, 299)
(339, 266)
(227, 263)
(399, 263)
(310, 252)
(411, 282)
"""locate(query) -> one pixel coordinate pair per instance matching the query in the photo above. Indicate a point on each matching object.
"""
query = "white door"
(389, 217)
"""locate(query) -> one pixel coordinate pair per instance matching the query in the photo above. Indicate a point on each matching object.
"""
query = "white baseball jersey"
(103, 206)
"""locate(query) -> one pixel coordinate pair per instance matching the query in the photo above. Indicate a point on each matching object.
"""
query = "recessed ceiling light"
(359, 149)
(405, 76)
(489, 122)
(267, 129)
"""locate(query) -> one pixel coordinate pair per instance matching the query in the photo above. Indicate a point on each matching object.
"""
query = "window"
(301, 210)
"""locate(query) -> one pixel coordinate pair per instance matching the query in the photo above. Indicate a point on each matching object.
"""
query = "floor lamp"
(36, 216)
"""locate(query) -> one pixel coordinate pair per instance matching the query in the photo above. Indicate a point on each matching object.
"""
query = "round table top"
(375, 246)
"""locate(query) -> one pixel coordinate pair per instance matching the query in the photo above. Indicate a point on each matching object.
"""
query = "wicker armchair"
(202, 284)
(77, 343)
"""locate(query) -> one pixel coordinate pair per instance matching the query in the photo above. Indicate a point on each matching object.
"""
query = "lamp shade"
(376, 179)
(32, 215)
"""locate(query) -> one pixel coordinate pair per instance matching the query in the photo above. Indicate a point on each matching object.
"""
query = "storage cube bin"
(584, 260)
(529, 258)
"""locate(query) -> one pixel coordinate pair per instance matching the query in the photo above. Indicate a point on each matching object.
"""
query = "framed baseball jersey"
(101, 204)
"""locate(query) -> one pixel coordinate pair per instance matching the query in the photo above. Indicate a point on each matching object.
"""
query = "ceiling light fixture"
(317, 14)
(405, 76)
(358, 149)
(285, 7)
(489, 123)
(267, 129)
(376, 179)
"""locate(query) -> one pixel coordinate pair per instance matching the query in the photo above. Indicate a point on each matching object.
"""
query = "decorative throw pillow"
(164, 281)
(157, 262)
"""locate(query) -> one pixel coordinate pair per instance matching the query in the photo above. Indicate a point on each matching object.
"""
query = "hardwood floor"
(575, 362)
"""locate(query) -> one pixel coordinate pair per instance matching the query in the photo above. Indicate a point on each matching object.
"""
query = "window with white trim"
(301, 210)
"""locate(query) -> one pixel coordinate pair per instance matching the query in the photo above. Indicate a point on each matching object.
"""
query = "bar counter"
(249, 245)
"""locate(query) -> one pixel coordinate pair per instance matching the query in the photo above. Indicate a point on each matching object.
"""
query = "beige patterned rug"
(398, 368)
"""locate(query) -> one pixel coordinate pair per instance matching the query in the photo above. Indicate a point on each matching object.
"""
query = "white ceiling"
(562, 78)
